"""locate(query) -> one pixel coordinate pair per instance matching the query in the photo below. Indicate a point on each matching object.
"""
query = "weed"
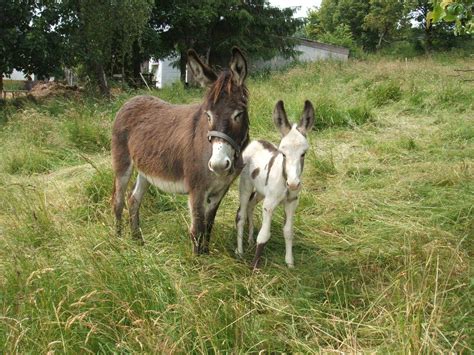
(385, 92)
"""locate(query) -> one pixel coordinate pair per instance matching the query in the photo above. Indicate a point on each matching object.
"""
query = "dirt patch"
(51, 88)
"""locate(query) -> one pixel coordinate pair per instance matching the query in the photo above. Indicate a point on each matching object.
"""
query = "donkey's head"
(293, 144)
(225, 109)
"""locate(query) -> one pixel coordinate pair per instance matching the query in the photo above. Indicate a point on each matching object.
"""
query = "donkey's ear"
(307, 118)
(280, 119)
(238, 66)
(204, 75)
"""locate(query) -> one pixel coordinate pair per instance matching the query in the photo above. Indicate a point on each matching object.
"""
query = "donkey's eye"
(238, 115)
(209, 118)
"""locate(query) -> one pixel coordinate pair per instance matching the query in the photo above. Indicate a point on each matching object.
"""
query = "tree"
(313, 27)
(352, 13)
(384, 17)
(27, 39)
(457, 11)
(100, 35)
(212, 27)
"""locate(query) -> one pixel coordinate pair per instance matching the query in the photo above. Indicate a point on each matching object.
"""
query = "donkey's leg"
(254, 199)
(134, 202)
(241, 217)
(198, 223)
(290, 208)
(269, 205)
(122, 177)
(212, 204)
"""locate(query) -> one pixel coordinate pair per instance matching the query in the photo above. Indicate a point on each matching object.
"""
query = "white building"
(163, 72)
(17, 75)
(307, 51)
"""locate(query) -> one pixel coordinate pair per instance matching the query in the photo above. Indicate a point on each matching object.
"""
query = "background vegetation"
(384, 229)
(99, 39)
(403, 27)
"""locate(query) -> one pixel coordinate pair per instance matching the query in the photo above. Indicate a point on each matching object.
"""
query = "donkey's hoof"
(238, 254)
(204, 251)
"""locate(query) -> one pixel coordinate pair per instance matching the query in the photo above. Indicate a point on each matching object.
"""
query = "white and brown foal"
(274, 175)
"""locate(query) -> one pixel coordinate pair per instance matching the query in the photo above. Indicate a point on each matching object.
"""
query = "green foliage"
(385, 92)
(87, 133)
(330, 114)
(351, 13)
(341, 36)
(25, 41)
(384, 18)
(458, 11)
(401, 49)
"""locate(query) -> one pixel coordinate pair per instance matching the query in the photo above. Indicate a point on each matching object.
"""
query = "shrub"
(385, 92)
(328, 114)
(87, 134)
(342, 36)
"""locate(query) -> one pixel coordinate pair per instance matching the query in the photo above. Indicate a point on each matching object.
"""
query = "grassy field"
(383, 233)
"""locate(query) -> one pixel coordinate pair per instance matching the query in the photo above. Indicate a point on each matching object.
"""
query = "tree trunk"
(428, 38)
(102, 80)
(136, 63)
(381, 36)
(182, 66)
(1, 84)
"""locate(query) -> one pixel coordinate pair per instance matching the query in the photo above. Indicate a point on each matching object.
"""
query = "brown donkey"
(187, 149)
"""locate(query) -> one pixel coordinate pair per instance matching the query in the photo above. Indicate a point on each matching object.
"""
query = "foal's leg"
(245, 192)
(290, 208)
(254, 199)
(122, 177)
(134, 202)
(198, 225)
(269, 205)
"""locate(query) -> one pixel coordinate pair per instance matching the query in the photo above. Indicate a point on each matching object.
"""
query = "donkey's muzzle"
(220, 167)
(221, 162)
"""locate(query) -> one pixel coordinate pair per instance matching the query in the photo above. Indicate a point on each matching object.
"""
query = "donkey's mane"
(225, 83)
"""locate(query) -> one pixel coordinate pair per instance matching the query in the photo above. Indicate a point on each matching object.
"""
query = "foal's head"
(225, 109)
(293, 144)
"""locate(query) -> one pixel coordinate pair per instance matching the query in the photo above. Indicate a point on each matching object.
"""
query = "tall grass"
(383, 231)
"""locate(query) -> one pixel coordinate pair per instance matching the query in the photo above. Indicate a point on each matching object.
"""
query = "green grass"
(383, 232)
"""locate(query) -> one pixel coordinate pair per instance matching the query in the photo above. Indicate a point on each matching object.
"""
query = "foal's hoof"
(238, 254)
(255, 265)
(290, 266)
(139, 241)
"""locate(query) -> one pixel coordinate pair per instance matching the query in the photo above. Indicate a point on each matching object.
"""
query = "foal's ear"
(204, 75)
(238, 66)
(307, 118)
(280, 119)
